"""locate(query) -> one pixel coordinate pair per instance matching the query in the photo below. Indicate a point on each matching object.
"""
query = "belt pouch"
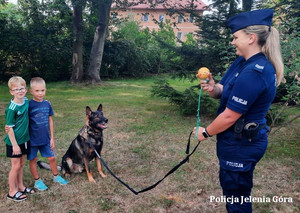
(238, 128)
(251, 129)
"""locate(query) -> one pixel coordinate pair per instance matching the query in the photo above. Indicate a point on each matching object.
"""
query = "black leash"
(154, 185)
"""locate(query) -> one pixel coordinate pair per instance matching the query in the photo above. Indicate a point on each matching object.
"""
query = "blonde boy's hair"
(16, 80)
(37, 80)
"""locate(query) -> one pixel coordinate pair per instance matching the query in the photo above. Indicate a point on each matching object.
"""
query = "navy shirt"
(249, 88)
(39, 113)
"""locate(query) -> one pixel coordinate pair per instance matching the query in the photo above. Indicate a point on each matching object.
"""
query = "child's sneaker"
(39, 184)
(60, 180)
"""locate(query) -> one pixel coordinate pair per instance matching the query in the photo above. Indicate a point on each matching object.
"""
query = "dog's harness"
(84, 133)
(186, 159)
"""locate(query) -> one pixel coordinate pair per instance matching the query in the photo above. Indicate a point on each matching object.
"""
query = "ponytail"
(268, 39)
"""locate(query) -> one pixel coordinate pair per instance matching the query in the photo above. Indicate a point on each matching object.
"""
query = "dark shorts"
(24, 150)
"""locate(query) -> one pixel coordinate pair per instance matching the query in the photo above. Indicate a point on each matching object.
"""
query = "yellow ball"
(203, 73)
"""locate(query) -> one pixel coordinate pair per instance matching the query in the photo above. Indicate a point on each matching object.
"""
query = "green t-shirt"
(17, 118)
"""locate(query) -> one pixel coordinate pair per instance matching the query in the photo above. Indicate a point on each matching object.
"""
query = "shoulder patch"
(259, 65)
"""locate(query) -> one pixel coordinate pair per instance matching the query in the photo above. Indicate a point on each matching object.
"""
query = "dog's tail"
(44, 165)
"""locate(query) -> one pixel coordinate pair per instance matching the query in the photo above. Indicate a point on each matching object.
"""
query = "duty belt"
(249, 129)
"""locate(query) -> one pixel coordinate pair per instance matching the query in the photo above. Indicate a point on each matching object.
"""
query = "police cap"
(255, 17)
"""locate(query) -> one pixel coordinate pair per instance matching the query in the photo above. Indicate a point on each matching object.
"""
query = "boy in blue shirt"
(41, 131)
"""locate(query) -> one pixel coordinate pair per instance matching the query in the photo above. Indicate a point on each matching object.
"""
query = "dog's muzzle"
(102, 125)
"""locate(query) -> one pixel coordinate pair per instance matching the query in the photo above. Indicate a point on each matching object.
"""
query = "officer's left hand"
(200, 135)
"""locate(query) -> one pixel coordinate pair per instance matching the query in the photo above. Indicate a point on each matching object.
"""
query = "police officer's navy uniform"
(249, 87)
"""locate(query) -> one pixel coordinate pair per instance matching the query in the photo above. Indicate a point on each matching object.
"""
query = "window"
(179, 35)
(161, 17)
(191, 19)
(180, 19)
(145, 17)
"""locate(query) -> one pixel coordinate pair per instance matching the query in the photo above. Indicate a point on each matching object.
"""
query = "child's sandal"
(28, 191)
(17, 197)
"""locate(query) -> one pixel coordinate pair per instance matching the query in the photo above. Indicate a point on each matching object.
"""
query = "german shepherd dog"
(80, 152)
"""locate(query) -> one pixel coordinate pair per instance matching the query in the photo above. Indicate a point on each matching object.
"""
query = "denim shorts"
(44, 150)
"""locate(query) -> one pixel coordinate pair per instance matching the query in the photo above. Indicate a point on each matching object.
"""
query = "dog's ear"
(88, 111)
(100, 108)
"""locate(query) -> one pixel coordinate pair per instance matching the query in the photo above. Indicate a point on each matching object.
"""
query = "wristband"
(205, 133)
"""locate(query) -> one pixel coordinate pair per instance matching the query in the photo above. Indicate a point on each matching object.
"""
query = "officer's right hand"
(208, 85)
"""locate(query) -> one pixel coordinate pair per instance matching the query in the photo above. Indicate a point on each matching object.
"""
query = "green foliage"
(133, 51)
(163, 42)
(287, 21)
(288, 93)
(35, 40)
(129, 52)
(291, 57)
(276, 115)
(212, 51)
(215, 36)
(187, 100)
(10, 39)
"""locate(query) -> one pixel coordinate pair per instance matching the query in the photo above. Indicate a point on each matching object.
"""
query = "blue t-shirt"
(249, 88)
(39, 113)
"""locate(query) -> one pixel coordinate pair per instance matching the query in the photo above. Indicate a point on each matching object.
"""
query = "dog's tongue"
(103, 126)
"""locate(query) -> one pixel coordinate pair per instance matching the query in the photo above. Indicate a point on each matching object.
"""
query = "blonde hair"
(37, 80)
(16, 80)
(268, 39)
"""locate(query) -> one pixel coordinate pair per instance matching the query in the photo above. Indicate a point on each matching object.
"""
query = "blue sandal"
(17, 197)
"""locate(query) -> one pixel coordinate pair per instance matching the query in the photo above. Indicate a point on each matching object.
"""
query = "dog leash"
(198, 114)
(154, 185)
(186, 159)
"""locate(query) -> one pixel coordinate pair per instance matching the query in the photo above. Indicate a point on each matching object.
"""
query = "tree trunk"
(93, 73)
(77, 62)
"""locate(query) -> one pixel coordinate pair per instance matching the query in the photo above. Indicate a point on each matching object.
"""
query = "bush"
(34, 45)
(290, 90)
(187, 100)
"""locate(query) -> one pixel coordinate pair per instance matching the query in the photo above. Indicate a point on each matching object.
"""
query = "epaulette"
(259, 65)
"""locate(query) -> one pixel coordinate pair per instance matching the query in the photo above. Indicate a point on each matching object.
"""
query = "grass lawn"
(145, 139)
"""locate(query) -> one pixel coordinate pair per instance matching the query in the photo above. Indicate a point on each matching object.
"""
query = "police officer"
(246, 92)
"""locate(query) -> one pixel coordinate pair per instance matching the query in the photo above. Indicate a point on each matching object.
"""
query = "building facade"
(183, 23)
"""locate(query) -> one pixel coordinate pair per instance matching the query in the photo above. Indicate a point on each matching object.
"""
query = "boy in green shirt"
(17, 137)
